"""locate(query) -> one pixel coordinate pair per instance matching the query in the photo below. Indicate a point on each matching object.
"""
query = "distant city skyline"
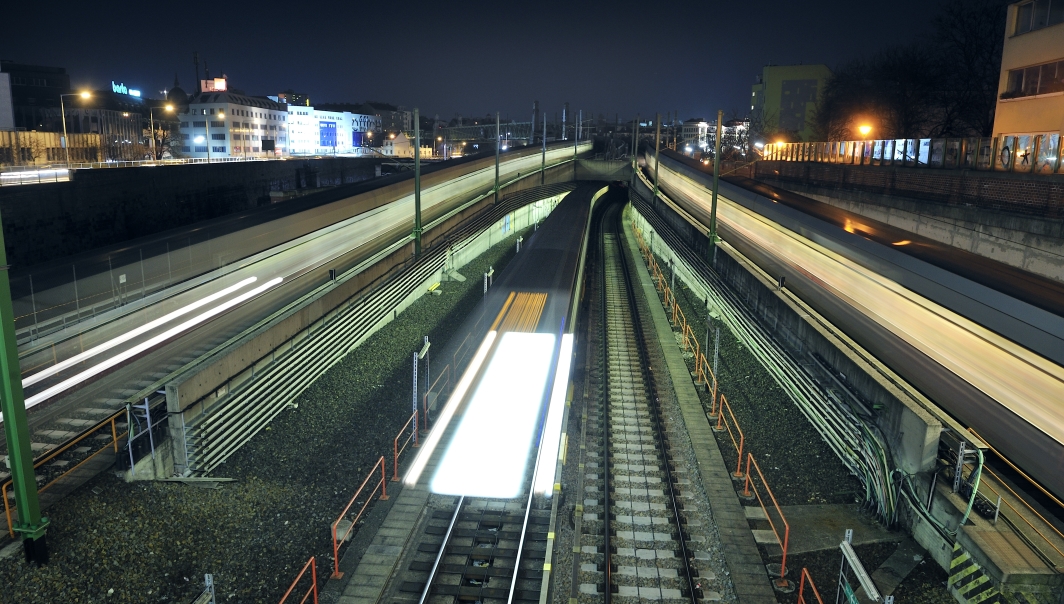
(469, 58)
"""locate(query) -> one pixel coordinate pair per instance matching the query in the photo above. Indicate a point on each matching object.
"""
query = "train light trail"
(147, 345)
(440, 425)
(129, 335)
(488, 454)
(552, 428)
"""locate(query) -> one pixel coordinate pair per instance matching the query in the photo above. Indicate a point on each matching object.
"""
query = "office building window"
(1038, 14)
(184, 124)
(1037, 79)
(185, 149)
(218, 137)
(199, 124)
(200, 149)
(217, 124)
(218, 149)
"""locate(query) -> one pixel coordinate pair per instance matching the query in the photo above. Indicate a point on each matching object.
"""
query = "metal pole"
(498, 145)
(716, 180)
(66, 139)
(417, 183)
(30, 524)
(532, 131)
(543, 163)
(151, 121)
(415, 393)
(657, 152)
(77, 303)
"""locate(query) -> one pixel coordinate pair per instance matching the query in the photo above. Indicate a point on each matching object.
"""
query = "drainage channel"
(468, 550)
(635, 541)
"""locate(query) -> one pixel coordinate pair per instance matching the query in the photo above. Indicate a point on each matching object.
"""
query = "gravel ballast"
(112, 541)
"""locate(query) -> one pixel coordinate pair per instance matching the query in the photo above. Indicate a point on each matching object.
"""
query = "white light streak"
(552, 429)
(146, 345)
(440, 425)
(488, 454)
(129, 335)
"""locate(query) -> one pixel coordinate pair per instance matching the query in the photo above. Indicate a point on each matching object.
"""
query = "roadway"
(118, 355)
(1005, 391)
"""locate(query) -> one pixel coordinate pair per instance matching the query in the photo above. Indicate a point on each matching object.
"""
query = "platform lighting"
(62, 111)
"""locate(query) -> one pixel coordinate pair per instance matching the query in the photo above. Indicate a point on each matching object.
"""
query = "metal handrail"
(782, 581)
(722, 424)
(312, 565)
(801, 588)
(52, 455)
(397, 450)
(383, 484)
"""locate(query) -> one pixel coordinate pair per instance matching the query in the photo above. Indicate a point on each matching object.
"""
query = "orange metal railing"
(383, 486)
(397, 450)
(723, 424)
(313, 590)
(8, 508)
(806, 577)
(782, 580)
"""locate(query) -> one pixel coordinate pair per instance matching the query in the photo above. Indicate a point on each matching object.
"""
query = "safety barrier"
(722, 425)
(1022, 500)
(313, 591)
(801, 588)
(383, 485)
(397, 450)
(782, 580)
(1026, 153)
(114, 443)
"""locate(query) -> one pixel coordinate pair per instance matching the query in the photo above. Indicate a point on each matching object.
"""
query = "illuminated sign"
(213, 85)
(121, 89)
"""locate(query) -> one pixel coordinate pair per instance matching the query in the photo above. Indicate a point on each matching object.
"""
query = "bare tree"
(968, 36)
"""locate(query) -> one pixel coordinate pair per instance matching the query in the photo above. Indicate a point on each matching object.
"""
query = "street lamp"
(864, 130)
(62, 111)
(221, 116)
(151, 119)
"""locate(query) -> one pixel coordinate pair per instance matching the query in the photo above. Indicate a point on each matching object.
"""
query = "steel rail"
(651, 387)
(443, 548)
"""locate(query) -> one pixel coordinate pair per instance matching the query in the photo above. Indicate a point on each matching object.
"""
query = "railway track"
(468, 550)
(636, 544)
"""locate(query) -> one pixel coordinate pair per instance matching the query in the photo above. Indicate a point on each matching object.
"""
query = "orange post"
(395, 445)
(313, 591)
(782, 580)
(801, 588)
(354, 522)
(722, 424)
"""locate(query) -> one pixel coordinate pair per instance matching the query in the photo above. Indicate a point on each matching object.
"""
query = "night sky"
(468, 58)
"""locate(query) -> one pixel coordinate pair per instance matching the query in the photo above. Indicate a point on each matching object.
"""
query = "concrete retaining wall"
(1032, 244)
(102, 207)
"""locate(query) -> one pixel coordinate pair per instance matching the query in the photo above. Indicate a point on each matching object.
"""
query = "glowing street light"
(865, 129)
(151, 119)
(62, 110)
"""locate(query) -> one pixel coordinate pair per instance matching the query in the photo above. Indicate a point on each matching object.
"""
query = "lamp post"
(62, 112)
(221, 116)
(151, 120)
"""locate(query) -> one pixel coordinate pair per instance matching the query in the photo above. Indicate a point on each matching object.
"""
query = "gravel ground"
(112, 541)
(798, 465)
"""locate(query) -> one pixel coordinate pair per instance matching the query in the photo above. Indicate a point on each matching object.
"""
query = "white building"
(222, 124)
(694, 133)
(317, 132)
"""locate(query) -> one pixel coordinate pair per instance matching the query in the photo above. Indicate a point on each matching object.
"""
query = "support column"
(716, 181)
(417, 183)
(543, 162)
(30, 525)
(657, 152)
(498, 146)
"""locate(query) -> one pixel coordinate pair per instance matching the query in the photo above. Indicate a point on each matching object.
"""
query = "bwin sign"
(121, 89)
